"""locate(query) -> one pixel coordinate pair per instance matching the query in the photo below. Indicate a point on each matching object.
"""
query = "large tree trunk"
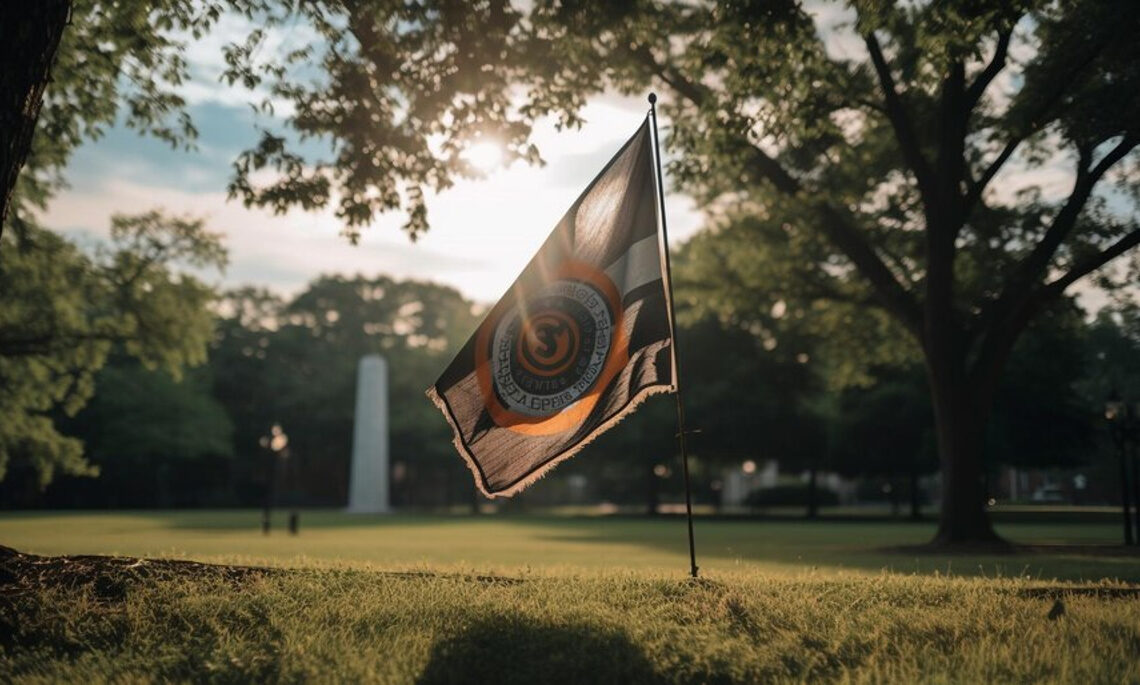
(29, 38)
(960, 421)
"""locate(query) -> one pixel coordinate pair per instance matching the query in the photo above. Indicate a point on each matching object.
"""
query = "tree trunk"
(29, 38)
(960, 420)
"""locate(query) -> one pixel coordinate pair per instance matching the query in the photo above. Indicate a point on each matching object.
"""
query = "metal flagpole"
(676, 348)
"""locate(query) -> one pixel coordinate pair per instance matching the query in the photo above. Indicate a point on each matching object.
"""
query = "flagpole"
(676, 348)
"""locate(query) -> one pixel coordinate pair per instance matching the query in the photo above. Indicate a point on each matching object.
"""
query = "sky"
(482, 231)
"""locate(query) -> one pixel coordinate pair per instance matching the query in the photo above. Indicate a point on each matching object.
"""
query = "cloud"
(281, 252)
(483, 232)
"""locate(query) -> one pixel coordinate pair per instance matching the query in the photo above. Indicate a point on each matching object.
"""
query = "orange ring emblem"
(543, 362)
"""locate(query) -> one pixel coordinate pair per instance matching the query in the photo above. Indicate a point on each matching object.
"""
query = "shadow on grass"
(514, 649)
(1060, 550)
(837, 543)
(882, 546)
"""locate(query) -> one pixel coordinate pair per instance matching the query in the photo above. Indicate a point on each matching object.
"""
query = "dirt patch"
(108, 577)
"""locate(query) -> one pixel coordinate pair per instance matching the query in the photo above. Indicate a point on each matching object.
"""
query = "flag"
(581, 338)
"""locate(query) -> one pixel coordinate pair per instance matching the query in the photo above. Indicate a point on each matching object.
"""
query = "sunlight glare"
(485, 156)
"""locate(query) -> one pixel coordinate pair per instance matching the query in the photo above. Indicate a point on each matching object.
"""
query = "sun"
(486, 156)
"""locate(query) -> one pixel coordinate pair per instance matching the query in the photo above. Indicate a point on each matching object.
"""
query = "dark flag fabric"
(581, 338)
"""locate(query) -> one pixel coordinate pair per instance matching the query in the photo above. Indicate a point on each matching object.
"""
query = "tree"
(295, 363)
(882, 158)
(64, 311)
(404, 89)
(73, 68)
(881, 144)
(886, 430)
(1113, 354)
(157, 441)
(1040, 418)
(29, 38)
(749, 401)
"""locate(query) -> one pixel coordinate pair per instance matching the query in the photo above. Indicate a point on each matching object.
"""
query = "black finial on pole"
(676, 349)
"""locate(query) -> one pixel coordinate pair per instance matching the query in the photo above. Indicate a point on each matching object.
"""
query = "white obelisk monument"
(368, 482)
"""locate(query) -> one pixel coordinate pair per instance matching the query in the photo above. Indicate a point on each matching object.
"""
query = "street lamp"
(275, 445)
(1122, 428)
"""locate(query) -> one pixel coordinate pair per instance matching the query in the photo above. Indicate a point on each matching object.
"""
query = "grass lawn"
(556, 600)
(508, 544)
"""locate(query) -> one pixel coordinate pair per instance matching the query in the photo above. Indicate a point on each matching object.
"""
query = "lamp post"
(1121, 427)
(274, 445)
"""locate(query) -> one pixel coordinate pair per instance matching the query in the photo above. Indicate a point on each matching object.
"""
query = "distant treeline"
(197, 441)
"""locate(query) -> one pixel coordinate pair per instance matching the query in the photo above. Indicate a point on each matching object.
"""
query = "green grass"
(503, 544)
(579, 600)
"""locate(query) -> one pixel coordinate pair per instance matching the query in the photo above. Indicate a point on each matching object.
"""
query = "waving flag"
(582, 337)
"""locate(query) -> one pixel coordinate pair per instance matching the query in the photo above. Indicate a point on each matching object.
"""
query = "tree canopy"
(899, 151)
(294, 363)
(899, 156)
(65, 310)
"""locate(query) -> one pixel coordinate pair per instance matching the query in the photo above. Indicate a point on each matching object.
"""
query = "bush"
(790, 495)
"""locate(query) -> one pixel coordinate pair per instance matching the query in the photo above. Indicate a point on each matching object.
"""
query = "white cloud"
(483, 232)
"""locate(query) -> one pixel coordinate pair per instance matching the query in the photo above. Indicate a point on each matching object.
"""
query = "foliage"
(746, 402)
(118, 63)
(295, 362)
(750, 273)
(886, 429)
(1041, 420)
(790, 496)
(874, 143)
(741, 402)
(64, 311)
(404, 88)
(155, 440)
(1112, 355)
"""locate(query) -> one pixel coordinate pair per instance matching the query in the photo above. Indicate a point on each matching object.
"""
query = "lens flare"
(485, 156)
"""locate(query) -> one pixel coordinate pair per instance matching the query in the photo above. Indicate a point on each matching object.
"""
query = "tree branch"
(1091, 264)
(1018, 301)
(900, 120)
(1066, 219)
(997, 63)
(1033, 123)
(838, 227)
(979, 186)
(695, 92)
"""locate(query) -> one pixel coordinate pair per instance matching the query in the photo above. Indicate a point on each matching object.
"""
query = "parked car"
(1049, 494)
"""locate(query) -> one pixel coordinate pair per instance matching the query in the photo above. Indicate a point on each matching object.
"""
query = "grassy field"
(507, 544)
(497, 599)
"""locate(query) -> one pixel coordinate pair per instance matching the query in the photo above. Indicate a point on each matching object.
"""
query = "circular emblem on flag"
(545, 359)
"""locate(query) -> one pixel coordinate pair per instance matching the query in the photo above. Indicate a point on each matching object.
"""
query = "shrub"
(790, 495)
